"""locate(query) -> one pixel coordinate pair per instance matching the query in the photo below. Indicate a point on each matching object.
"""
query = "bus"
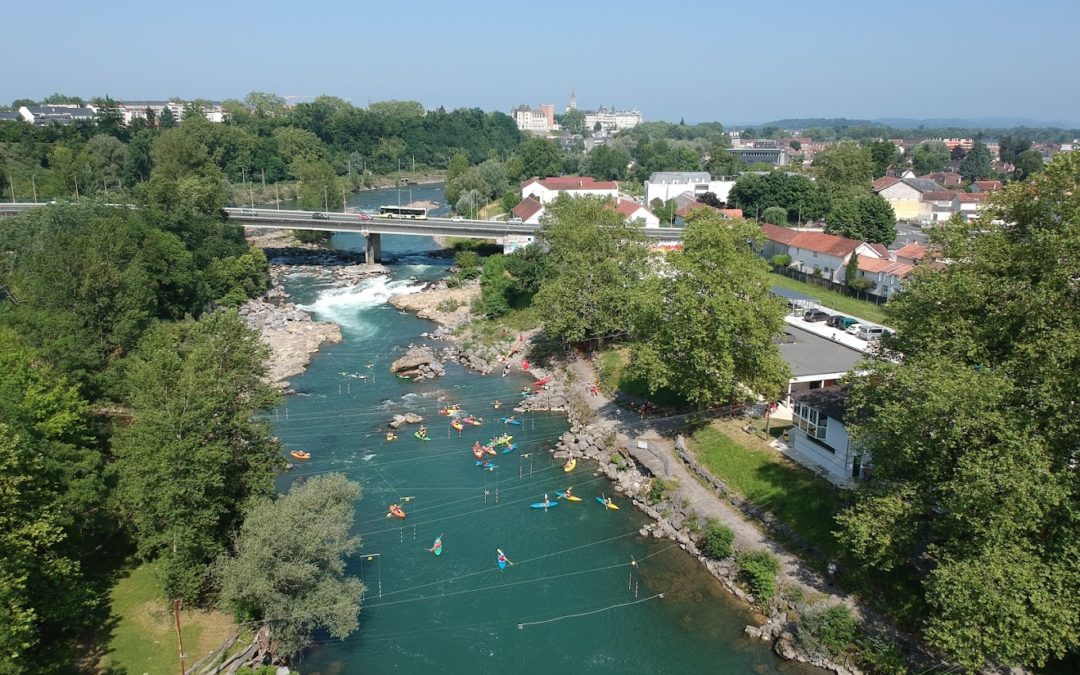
(412, 212)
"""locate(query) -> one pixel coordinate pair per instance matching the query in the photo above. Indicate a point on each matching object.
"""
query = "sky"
(712, 60)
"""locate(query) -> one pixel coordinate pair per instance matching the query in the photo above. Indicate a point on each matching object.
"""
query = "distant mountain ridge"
(929, 123)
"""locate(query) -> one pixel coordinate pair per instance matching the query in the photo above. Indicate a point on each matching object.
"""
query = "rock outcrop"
(407, 418)
(290, 333)
(418, 363)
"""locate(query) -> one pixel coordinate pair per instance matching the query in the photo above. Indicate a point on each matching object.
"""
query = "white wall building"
(545, 190)
(634, 212)
(665, 185)
(815, 252)
(819, 439)
(540, 120)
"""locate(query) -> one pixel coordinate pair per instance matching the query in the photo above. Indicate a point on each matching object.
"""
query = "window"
(811, 421)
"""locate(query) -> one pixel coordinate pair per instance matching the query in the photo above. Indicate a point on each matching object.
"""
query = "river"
(571, 602)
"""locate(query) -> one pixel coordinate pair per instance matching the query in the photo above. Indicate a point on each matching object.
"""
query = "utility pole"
(11, 184)
(326, 198)
(76, 187)
(277, 197)
(343, 199)
(179, 639)
(33, 186)
(264, 178)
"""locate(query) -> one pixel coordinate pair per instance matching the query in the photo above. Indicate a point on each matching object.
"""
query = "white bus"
(413, 212)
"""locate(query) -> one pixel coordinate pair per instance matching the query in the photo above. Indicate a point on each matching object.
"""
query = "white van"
(870, 333)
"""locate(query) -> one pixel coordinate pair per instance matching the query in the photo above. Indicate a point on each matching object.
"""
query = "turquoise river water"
(572, 602)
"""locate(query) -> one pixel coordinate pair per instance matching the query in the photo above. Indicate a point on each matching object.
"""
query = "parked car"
(854, 328)
(840, 321)
(247, 212)
(515, 221)
(319, 215)
(815, 315)
(364, 216)
(870, 333)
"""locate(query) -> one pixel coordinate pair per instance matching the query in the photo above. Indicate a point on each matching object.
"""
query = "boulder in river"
(418, 363)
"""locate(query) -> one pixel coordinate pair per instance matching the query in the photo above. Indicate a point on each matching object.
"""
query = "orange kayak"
(300, 454)
(396, 512)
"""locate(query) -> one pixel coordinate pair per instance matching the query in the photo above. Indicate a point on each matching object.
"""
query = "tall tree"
(929, 156)
(574, 121)
(978, 163)
(1027, 163)
(708, 329)
(597, 263)
(607, 163)
(194, 456)
(845, 164)
(973, 433)
(288, 565)
(539, 158)
(883, 154)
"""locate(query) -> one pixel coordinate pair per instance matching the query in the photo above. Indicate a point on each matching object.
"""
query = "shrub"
(718, 538)
(781, 260)
(469, 264)
(693, 524)
(658, 490)
(312, 236)
(827, 631)
(759, 570)
(881, 655)
(448, 306)
(775, 215)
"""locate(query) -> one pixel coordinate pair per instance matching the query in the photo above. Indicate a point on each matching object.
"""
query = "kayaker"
(569, 492)
(510, 420)
(390, 435)
(496, 404)
(422, 431)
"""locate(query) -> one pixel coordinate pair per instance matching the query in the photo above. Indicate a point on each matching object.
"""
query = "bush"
(775, 215)
(718, 538)
(827, 631)
(469, 264)
(312, 236)
(658, 490)
(759, 570)
(448, 305)
(781, 260)
(881, 655)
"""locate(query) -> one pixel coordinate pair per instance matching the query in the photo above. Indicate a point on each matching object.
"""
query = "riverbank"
(290, 332)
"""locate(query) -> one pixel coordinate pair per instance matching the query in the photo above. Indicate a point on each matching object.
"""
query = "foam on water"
(345, 306)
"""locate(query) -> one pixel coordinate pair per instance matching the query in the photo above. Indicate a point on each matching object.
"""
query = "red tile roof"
(874, 266)
(780, 235)
(527, 208)
(732, 213)
(884, 182)
(989, 185)
(913, 250)
(939, 196)
(829, 244)
(561, 183)
(880, 249)
(628, 208)
(971, 197)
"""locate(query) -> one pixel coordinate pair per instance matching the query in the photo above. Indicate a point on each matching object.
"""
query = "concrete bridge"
(372, 227)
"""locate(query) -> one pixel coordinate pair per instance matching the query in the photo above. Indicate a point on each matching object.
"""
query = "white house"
(540, 120)
(633, 211)
(44, 115)
(545, 190)
(819, 439)
(815, 252)
(887, 276)
(665, 185)
(970, 204)
(529, 210)
(905, 195)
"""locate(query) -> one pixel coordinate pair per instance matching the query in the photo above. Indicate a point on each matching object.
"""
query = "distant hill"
(929, 123)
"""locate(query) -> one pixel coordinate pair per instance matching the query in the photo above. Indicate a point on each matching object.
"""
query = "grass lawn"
(613, 377)
(144, 637)
(860, 309)
(805, 502)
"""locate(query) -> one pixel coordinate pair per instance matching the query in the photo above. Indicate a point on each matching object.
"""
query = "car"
(871, 333)
(515, 221)
(364, 216)
(840, 321)
(815, 315)
(853, 328)
(457, 219)
(247, 212)
(319, 215)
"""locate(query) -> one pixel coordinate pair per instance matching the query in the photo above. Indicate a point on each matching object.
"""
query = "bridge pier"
(373, 249)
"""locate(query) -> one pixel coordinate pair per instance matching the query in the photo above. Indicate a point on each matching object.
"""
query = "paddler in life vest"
(422, 431)
(495, 404)
(568, 493)
(390, 435)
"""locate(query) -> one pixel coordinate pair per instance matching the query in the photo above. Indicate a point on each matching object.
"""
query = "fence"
(830, 285)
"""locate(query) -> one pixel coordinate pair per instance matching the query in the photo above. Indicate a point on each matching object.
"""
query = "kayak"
(391, 437)
(436, 548)
(404, 377)
(477, 453)
(611, 506)
(457, 425)
(423, 438)
(543, 505)
(486, 465)
(473, 421)
(300, 454)
(510, 420)
(395, 511)
(501, 560)
(570, 465)
(499, 440)
(571, 498)
(510, 447)
(489, 449)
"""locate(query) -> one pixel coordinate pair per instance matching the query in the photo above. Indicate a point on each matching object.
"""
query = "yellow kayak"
(569, 498)
(610, 505)
(570, 465)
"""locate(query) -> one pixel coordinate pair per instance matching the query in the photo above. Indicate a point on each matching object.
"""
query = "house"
(816, 252)
(545, 190)
(761, 155)
(633, 211)
(887, 275)
(945, 178)
(814, 361)
(911, 253)
(10, 115)
(939, 205)
(665, 185)
(970, 204)
(44, 115)
(986, 186)
(529, 210)
(905, 195)
(133, 110)
(819, 438)
(540, 120)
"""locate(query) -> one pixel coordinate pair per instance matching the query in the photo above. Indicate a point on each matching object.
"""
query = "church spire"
(573, 100)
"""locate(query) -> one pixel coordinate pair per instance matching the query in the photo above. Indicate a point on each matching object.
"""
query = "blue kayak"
(543, 505)
(486, 466)
(509, 448)
(507, 420)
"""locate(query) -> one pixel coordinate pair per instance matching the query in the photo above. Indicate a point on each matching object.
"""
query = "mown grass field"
(860, 309)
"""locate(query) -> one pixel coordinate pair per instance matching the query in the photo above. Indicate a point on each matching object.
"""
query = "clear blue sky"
(735, 62)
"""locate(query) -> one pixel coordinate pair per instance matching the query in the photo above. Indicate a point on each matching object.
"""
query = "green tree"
(539, 158)
(319, 187)
(775, 215)
(167, 120)
(597, 264)
(107, 156)
(470, 203)
(574, 121)
(1027, 163)
(606, 163)
(862, 216)
(929, 156)
(978, 163)
(973, 433)
(851, 270)
(457, 166)
(709, 327)
(845, 164)
(179, 153)
(194, 455)
(883, 154)
(287, 568)
(1011, 146)
(137, 158)
(803, 200)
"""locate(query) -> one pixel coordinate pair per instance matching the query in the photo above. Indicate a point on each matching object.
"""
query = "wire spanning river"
(573, 601)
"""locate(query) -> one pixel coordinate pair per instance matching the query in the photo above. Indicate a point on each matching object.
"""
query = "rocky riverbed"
(437, 302)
